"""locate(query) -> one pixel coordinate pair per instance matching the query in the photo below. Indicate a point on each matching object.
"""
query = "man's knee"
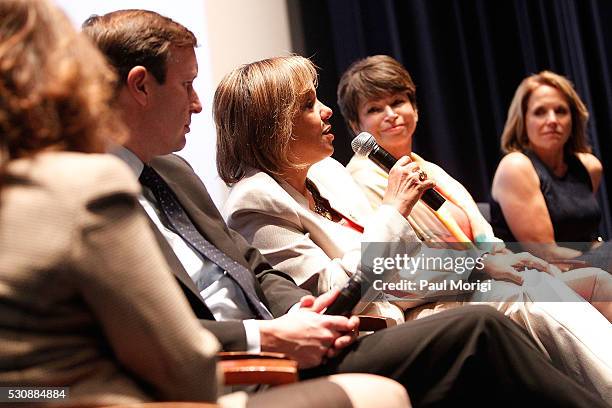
(484, 317)
(486, 320)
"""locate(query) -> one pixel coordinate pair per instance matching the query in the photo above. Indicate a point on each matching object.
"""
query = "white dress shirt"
(221, 294)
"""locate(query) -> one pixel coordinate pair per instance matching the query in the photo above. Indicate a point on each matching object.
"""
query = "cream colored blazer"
(318, 253)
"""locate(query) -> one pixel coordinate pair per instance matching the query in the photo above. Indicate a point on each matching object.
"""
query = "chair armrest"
(241, 368)
(375, 323)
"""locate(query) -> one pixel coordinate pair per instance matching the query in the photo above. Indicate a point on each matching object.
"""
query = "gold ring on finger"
(422, 175)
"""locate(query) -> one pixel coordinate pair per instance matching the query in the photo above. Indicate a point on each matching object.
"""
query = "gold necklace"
(321, 205)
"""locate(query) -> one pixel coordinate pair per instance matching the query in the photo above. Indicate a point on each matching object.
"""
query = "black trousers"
(471, 355)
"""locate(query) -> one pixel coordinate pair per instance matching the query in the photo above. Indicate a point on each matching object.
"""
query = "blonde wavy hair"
(514, 137)
(137, 37)
(254, 108)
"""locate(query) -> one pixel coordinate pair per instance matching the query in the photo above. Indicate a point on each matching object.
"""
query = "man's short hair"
(132, 38)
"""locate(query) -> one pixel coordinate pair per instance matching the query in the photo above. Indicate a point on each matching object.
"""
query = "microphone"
(349, 296)
(365, 145)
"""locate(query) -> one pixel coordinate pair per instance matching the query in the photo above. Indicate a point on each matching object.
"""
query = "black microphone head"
(363, 144)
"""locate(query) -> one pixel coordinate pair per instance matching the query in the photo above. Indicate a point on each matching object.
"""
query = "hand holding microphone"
(407, 184)
(402, 174)
(365, 145)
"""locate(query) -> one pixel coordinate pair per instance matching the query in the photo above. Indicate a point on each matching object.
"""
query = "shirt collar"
(129, 158)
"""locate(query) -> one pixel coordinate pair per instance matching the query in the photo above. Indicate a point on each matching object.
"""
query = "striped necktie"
(181, 224)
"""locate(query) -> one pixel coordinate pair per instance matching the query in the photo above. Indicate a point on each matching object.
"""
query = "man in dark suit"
(470, 354)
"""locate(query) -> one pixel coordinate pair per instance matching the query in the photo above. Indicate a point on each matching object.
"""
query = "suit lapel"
(193, 196)
(201, 214)
(189, 288)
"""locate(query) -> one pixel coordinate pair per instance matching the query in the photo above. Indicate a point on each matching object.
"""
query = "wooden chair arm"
(375, 323)
(241, 368)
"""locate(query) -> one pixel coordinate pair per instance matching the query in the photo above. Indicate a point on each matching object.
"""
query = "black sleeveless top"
(573, 209)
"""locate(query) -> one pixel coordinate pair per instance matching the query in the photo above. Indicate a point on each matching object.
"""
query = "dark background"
(466, 58)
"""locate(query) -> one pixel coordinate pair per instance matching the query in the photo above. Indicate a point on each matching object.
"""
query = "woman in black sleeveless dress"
(543, 193)
(544, 188)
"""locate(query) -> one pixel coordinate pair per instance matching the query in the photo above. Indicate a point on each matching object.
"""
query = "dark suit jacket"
(276, 289)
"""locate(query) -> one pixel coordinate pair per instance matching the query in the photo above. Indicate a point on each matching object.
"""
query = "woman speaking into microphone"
(265, 150)
(305, 213)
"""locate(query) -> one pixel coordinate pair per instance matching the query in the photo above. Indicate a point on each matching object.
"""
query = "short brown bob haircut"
(372, 78)
(254, 109)
(131, 38)
(514, 137)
